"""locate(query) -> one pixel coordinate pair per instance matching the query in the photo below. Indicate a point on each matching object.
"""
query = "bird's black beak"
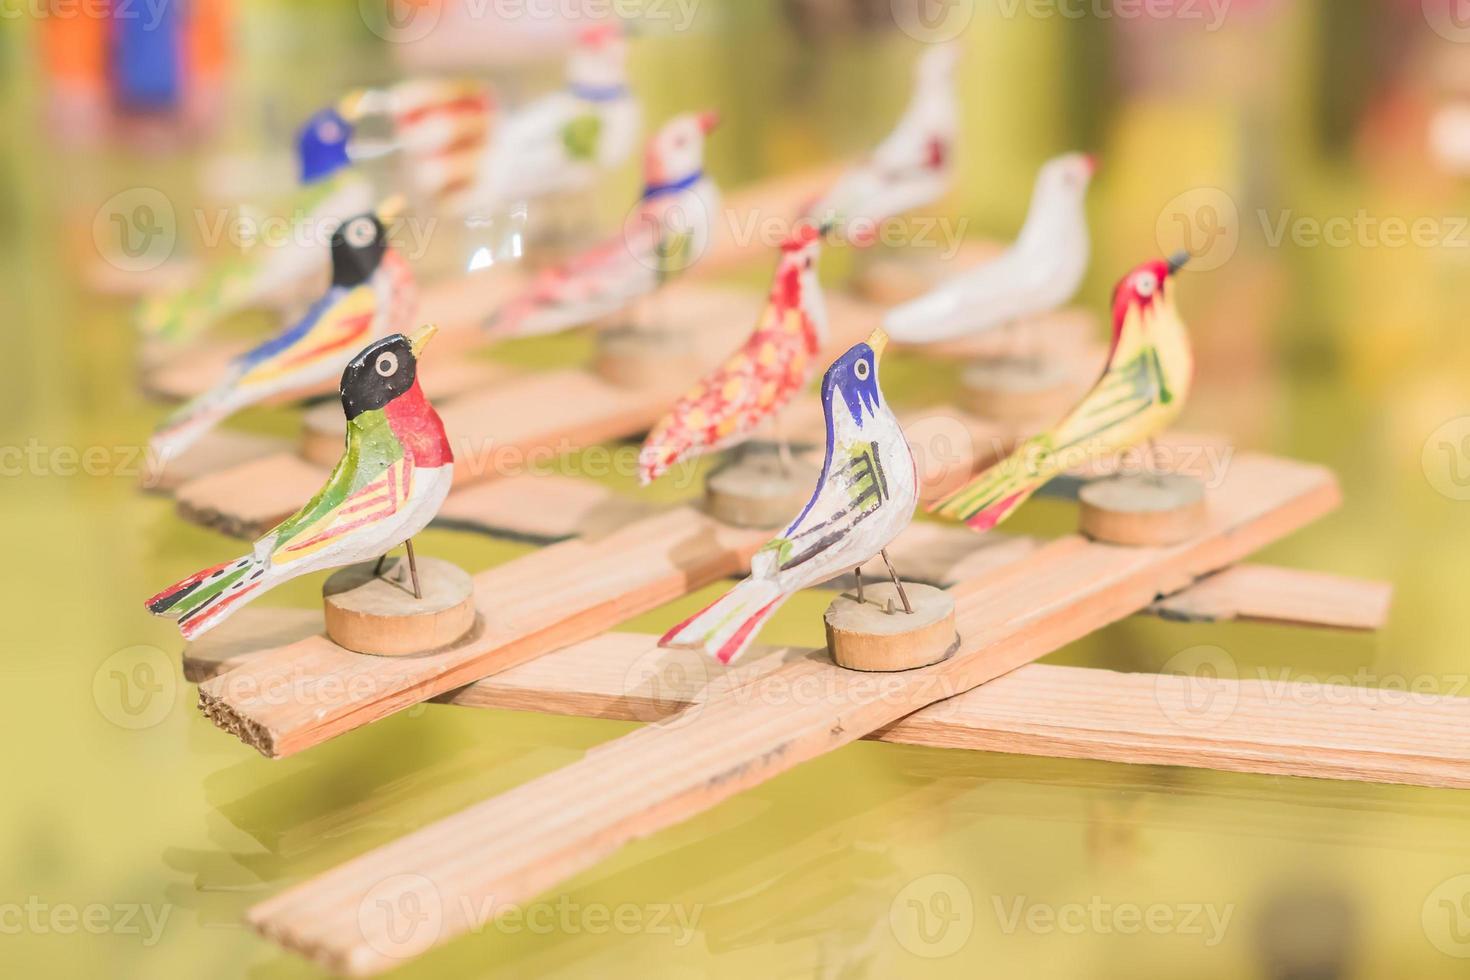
(1178, 261)
(825, 228)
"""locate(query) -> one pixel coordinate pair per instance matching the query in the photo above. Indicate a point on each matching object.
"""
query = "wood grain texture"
(1263, 593)
(1239, 725)
(286, 699)
(519, 844)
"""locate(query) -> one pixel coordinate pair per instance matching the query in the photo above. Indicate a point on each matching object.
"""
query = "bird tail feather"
(192, 421)
(995, 494)
(205, 599)
(727, 626)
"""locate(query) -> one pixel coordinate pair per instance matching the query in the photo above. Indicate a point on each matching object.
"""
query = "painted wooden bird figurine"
(912, 167)
(863, 499)
(666, 234)
(372, 294)
(1141, 392)
(565, 140)
(270, 273)
(439, 126)
(758, 380)
(394, 474)
(1039, 272)
(434, 122)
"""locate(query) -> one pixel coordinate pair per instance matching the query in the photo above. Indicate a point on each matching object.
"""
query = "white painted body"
(1039, 273)
(898, 175)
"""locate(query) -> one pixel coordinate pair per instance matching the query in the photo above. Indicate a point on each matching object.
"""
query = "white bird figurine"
(666, 234)
(864, 498)
(1039, 272)
(913, 167)
(562, 141)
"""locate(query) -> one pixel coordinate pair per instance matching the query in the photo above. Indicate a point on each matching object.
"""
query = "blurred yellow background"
(1255, 141)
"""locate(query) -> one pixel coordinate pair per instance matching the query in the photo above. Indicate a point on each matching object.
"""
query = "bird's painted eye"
(809, 263)
(386, 364)
(359, 233)
(1147, 284)
(862, 370)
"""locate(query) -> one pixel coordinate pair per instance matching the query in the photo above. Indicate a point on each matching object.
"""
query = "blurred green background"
(1354, 352)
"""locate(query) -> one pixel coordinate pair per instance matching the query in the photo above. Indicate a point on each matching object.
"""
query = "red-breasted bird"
(1141, 392)
(394, 474)
(912, 167)
(758, 380)
(864, 498)
(372, 294)
(666, 234)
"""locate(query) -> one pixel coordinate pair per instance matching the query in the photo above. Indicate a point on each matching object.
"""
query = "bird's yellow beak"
(878, 340)
(421, 338)
(390, 209)
(350, 106)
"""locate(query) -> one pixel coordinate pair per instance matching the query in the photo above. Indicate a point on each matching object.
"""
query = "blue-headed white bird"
(864, 498)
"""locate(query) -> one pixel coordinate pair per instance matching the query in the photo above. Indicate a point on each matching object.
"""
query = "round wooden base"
(877, 635)
(752, 491)
(1143, 510)
(379, 615)
(1019, 389)
(644, 357)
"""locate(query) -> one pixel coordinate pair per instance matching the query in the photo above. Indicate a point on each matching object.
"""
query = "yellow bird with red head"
(1141, 392)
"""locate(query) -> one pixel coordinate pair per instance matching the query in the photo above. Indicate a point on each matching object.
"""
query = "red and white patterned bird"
(667, 233)
(758, 380)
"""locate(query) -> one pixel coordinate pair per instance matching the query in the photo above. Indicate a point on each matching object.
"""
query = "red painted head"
(1144, 287)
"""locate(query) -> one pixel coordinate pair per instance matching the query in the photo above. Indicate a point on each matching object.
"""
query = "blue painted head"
(854, 376)
(321, 145)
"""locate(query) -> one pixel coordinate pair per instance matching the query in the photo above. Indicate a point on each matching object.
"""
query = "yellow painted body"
(1139, 394)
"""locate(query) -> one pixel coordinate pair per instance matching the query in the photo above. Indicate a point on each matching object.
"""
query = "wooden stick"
(1278, 595)
(1238, 725)
(287, 698)
(519, 844)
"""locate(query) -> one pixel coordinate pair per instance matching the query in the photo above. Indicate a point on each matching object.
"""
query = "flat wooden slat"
(288, 698)
(520, 843)
(1276, 595)
(1239, 725)
(221, 449)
